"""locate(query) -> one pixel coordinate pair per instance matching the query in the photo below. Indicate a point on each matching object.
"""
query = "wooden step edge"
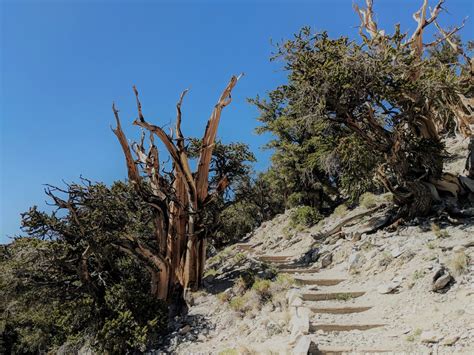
(294, 270)
(339, 295)
(337, 310)
(340, 350)
(269, 258)
(330, 327)
(319, 282)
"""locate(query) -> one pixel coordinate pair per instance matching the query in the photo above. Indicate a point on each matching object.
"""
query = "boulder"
(430, 337)
(355, 262)
(326, 260)
(441, 279)
(302, 346)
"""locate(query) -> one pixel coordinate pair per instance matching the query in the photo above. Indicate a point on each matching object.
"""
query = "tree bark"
(176, 265)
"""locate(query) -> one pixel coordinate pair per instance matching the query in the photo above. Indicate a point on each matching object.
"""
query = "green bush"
(43, 308)
(340, 211)
(262, 287)
(304, 216)
(368, 200)
(238, 303)
(295, 199)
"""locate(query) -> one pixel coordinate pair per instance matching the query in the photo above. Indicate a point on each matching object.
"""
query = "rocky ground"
(408, 290)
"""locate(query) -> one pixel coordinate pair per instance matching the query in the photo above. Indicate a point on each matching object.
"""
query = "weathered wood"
(178, 263)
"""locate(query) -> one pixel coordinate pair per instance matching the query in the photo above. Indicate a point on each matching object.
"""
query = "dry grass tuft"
(368, 200)
(340, 211)
(438, 232)
(459, 262)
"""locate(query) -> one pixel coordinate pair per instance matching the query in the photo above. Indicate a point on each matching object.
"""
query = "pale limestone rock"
(430, 337)
(450, 340)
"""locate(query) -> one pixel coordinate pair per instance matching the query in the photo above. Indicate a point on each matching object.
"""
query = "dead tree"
(177, 199)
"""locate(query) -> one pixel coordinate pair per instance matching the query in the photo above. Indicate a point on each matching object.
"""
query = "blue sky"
(63, 62)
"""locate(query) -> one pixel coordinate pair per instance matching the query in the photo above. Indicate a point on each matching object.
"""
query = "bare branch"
(416, 40)
(179, 159)
(133, 174)
(179, 134)
(209, 138)
(367, 20)
(447, 37)
(139, 105)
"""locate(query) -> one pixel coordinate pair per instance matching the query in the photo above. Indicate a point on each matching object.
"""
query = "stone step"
(318, 282)
(244, 246)
(337, 310)
(293, 270)
(340, 350)
(323, 296)
(274, 258)
(334, 327)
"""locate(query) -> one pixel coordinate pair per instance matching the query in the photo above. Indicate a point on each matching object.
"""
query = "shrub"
(305, 216)
(239, 257)
(262, 287)
(340, 211)
(126, 318)
(344, 296)
(295, 199)
(223, 297)
(368, 200)
(228, 352)
(438, 232)
(418, 274)
(237, 303)
(459, 263)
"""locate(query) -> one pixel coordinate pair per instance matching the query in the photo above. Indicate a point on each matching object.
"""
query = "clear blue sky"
(63, 62)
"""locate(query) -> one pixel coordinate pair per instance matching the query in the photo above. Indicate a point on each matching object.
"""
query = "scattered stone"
(326, 260)
(388, 288)
(302, 346)
(355, 262)
(356, 236)
(184, 330)
(459, 249)
(450, 340)
(430, 337)
(398, 279)
(396, 252)
(441, 279)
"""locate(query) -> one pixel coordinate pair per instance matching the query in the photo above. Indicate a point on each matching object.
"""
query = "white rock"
(396, 252)
(388, 287)
(441, 282)
(326, 260)
(302, 346)
(398, 279)
(430, 337)
(450, 340)
(355, 261)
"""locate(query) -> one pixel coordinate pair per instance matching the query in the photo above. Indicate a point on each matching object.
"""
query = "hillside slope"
(365, 292)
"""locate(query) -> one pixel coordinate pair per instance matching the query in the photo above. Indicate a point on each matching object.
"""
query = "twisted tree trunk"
(176, 263)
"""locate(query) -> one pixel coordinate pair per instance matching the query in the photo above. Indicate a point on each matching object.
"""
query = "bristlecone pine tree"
(355, 115)
(407, 126)
(177, 264)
